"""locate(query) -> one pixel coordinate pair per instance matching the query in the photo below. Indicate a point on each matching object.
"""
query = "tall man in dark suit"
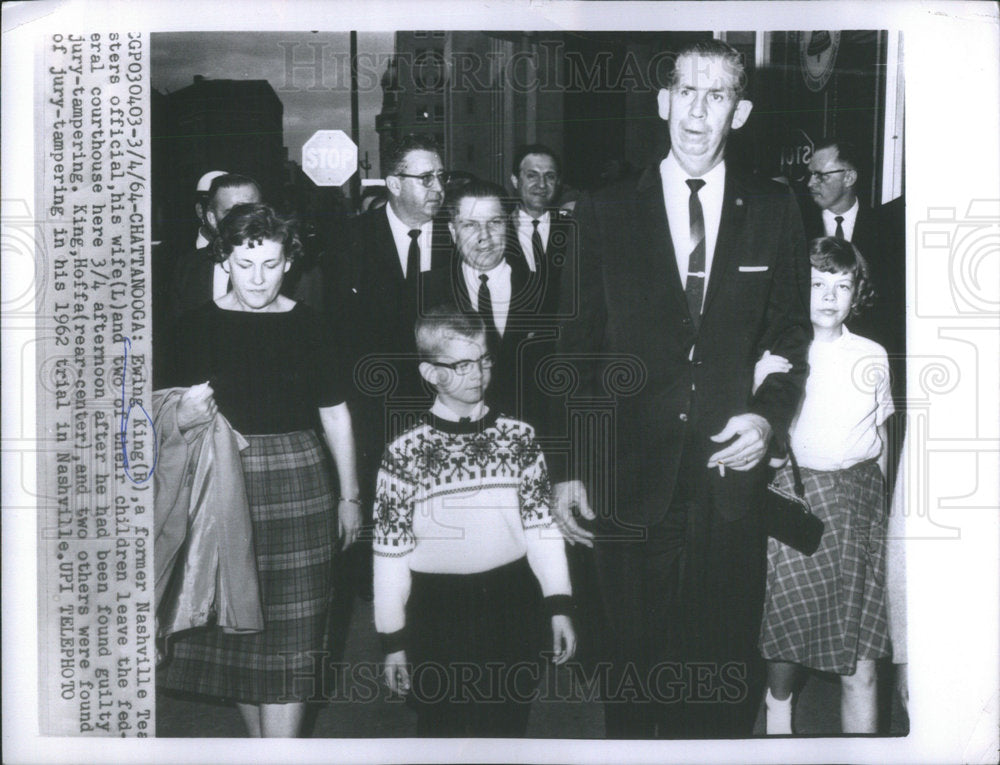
(834, 179)
(541, 232)
(687, 275)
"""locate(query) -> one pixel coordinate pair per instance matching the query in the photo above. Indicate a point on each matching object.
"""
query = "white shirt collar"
(850, 216)
(500, 287)
(498, 275)
(445, 412)
(401, 236)
(524, 225)
(524, 218)
(674, 174)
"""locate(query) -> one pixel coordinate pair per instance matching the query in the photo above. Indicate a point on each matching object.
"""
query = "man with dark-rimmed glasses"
(382, 257)
(834, 185)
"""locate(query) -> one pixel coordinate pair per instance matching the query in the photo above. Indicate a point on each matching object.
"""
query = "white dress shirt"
(499, 287)
(676, 194)
(525, 228)
(850, 218)
(401, 235)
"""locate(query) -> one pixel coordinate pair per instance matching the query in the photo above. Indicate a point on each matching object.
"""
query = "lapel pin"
(739, 201)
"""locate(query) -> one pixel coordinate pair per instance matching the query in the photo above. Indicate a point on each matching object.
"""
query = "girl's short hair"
(435, 326)
(255, 223)
(833, 255)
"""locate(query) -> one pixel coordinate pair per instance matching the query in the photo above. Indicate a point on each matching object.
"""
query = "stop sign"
(329, 158)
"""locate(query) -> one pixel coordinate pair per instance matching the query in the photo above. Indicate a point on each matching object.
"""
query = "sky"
(315, 96)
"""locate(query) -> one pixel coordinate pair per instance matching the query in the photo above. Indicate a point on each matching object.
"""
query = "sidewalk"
(362, 708)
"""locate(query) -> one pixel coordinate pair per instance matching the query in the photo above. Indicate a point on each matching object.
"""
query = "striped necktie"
(694, 286)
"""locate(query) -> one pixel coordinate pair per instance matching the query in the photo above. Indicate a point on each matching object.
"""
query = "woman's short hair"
(255, 223)
(435, 326)
(833, 255)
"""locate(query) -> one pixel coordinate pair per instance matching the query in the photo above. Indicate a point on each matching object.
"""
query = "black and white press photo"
(571, 381)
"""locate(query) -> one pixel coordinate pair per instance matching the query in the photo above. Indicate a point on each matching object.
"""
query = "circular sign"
(818, 52)
(329, 158)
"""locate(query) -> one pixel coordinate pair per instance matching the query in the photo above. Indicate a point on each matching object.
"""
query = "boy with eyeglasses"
(467, 557)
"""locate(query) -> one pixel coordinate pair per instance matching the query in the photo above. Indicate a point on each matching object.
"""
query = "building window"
(428, 70)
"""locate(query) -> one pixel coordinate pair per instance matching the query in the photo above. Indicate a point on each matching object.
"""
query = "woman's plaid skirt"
(292, 506)
(828, 611)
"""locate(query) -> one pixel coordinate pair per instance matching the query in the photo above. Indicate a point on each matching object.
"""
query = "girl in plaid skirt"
(827, 611)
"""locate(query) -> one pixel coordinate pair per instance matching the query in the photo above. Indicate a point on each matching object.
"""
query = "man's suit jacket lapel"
(657, 271)
(441, 245)
(521, 285)
(384, 256)
(726, 256)
(461, 291)
(205, 270)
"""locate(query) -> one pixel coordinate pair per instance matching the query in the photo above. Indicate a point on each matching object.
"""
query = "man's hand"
(563, 639)
(397, 675)
(567, 496)
(197, 406)
(754, 433)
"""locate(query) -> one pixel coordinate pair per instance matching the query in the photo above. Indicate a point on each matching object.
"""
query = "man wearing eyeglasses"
(381, 260)
(834, 180)
(384, 255)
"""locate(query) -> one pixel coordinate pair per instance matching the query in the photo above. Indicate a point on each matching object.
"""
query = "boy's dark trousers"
(474, 642)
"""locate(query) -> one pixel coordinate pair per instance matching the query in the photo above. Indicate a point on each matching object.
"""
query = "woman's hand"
(768, 365)
(397, 674)
(336, 422)
(563, 639)
(348, 522)
(197, 406)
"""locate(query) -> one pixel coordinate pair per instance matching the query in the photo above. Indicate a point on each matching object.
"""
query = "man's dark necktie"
(536, 246)
(694, 286)
(839, 233)
(486, 309)
(413, 257)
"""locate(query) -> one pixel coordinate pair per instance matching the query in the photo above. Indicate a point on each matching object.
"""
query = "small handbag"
(787, 516)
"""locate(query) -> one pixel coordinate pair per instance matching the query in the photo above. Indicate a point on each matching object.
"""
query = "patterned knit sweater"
(462, 498)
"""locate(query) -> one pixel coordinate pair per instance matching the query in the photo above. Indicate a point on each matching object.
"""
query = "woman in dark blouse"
(267, 364)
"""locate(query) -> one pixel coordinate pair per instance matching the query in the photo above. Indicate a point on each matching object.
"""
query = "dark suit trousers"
(685, 605)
